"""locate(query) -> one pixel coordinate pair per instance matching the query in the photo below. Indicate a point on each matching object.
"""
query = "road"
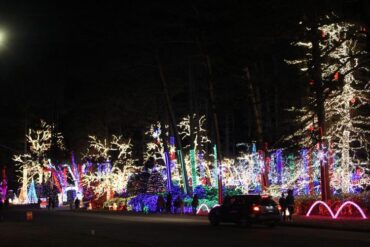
(64, 228)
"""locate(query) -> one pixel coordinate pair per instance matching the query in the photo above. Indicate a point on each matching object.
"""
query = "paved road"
(63, 228)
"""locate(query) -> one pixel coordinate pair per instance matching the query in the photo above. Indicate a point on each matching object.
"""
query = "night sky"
(91, 68)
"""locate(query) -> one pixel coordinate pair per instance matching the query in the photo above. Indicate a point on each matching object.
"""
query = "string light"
(347, 127)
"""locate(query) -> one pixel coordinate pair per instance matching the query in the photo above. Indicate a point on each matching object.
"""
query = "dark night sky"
(91, 67)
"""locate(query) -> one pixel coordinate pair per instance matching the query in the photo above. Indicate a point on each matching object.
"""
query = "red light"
(256, 208)
(336, 76)
(279, 207)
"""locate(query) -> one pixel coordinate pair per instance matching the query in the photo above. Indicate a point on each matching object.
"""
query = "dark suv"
(246, 210)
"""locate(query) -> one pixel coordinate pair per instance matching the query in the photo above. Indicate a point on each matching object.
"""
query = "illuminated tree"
(98, 150)
(156, 183)
(138, 183)
(32, 197)
(114, 165)
(337, 64)
(157, 135)
(157, 145)
(32, 164)
(193, 131)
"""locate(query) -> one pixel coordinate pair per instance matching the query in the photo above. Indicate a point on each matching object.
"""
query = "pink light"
(353, 204)
(339, 210)
(323, 203)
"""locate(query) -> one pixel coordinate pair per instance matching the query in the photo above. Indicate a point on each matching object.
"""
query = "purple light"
(172, 140)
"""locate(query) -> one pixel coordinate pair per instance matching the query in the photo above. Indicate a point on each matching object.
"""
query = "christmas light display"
(194, 175)
(204, 206)
(156, 183)
(108, 167)
(193, 131)
(194, 134)
(168, 172)
(32, 197)
(32, 165)
(3, 185)
(108, 176)
(345, 97)
(335, 216)
(157, 135)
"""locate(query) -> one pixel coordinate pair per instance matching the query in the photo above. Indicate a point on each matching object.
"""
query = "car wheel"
(214, 220)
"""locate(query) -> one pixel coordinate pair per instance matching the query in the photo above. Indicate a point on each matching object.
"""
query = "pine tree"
(32, 197)
(138, 183)
(336, 63)
(156, 183)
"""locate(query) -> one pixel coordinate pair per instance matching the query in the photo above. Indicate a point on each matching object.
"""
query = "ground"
(65, 228)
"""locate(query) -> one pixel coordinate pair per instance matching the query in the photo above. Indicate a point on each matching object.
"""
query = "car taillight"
(256, 209)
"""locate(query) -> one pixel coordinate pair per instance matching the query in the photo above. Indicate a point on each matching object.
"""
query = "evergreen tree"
(156, 183)
(336, 64)
(32, 197)
(137, 183)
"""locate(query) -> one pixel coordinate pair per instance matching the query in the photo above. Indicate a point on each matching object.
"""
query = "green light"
(193, 169)
(215, 165)
(183, 170)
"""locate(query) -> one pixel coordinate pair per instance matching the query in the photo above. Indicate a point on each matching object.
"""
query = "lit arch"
(206, 207)
(203, 206)
(322, 203)
(339, 210)
(353, 204)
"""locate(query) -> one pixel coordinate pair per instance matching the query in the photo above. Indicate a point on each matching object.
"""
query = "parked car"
(246, 210)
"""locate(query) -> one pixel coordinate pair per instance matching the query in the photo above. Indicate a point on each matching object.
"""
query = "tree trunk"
(173, 121)
(208, 64)
(320, 109)
(227, 135)
(256, 104)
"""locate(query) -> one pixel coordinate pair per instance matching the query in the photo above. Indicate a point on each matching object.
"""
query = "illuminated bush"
(144, 202)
